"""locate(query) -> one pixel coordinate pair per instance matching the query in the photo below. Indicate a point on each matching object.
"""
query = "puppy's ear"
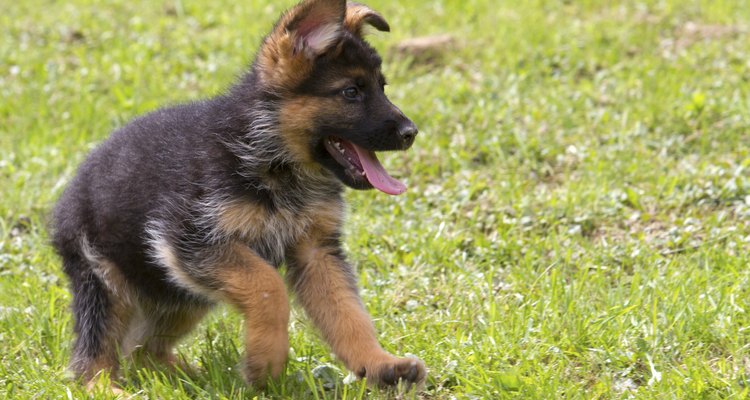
(316, 25)
(357, 15)
(308, 30)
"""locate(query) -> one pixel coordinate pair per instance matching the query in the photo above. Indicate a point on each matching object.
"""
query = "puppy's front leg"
(258, 291)
(326, 288)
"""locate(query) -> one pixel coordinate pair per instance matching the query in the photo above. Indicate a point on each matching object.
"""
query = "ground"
(576, 224)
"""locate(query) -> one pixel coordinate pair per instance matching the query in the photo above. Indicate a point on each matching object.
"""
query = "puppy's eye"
(351, 93)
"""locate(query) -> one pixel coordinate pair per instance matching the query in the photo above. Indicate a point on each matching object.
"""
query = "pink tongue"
(376, 174)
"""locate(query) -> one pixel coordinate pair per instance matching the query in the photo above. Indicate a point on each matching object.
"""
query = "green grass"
(577, 223)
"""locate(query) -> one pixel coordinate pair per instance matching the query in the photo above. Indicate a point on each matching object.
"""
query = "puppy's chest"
(271, 232)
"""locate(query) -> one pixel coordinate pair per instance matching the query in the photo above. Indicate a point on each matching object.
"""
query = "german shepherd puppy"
(201, 203)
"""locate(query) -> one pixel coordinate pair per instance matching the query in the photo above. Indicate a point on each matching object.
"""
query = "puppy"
(201, 203)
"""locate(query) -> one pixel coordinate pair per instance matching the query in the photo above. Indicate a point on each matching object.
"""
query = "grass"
(577, 223)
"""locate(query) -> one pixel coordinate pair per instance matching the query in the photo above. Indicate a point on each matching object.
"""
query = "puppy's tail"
(92, 309)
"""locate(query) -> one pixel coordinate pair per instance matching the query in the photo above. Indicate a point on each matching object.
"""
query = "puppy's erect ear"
(316, 25)
(308, 30)
(357, 15)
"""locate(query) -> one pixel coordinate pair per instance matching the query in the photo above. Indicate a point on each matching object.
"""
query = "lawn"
(577, 223)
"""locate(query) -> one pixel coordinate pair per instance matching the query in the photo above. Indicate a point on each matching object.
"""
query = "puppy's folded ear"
(308, 30)
(357, 15)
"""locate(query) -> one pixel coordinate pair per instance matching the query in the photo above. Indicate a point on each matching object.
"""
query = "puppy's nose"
(407, 131)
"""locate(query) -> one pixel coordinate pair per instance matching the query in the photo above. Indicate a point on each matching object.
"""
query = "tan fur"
(331, 303)
(330, 298)
(326, 218)
(282, 65)
(244, 219)
(257, 290)
(248, 222)
(297, 116)
(278, 68)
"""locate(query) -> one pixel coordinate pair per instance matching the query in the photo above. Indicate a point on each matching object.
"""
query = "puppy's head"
(333, 112)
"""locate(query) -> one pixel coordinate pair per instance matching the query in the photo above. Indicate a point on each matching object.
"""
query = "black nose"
(407, 131)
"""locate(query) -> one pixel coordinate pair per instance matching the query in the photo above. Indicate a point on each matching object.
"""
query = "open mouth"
(362, 164)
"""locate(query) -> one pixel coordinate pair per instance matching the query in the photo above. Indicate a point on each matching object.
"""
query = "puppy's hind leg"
(160, 328)
(100, 320)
